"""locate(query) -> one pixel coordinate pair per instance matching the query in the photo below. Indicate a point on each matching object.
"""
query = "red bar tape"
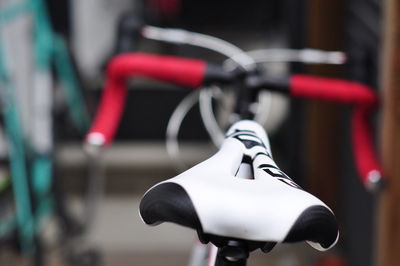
(185, 72)
(364, 100)
(364, 154)
(348, 92)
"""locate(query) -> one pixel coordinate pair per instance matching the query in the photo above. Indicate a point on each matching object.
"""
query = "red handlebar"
(337, 90)
(367, 163)
(364, 99)
(191, 73)
(185, 72)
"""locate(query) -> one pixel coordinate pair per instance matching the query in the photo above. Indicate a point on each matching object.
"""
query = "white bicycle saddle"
(268, 208)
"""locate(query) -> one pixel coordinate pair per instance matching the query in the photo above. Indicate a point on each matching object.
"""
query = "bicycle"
(27, 105)
(245, 153)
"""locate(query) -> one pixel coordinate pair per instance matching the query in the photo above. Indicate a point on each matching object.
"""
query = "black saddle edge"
(169, 202)
(316, 224)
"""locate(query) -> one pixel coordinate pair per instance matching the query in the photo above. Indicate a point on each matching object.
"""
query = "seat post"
(222, 261)
(233, 254)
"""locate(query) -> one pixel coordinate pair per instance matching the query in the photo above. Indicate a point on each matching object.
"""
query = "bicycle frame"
(195, 73)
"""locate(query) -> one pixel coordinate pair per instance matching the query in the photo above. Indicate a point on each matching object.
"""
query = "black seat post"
(234, 253)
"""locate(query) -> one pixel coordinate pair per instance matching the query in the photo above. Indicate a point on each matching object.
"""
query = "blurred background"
(53, 56)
